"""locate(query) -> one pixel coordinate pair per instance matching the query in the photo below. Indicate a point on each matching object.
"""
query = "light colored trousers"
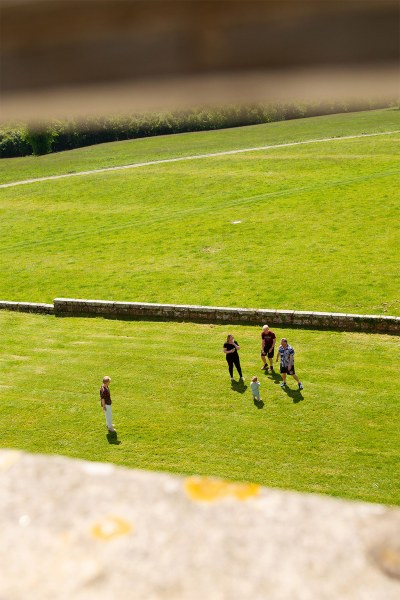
(108, 412)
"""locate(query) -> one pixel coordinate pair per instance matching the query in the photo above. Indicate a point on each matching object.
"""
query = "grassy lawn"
(318, 227)
(175, 410)
(311, 227)
(128, 152)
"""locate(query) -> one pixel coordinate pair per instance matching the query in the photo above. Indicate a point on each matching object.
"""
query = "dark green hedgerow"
(55, 136)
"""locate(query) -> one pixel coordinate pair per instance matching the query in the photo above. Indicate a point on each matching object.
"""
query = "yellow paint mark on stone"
(389, 560)
(206, 489)
(8, 458)
(111, 527)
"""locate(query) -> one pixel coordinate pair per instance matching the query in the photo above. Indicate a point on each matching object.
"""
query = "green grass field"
(156, 148)
(318, 226)
(318, 230)
(175, 410)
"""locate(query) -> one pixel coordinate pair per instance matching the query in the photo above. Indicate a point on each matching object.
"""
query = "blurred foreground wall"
(75, 530)
(70, 57)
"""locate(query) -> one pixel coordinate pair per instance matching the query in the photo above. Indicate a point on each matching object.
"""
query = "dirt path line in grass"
(194, 157)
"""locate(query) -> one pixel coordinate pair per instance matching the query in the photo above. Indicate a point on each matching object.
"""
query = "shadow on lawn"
(238, 386)
(295, 395)
(112, 438)
(274, 375)
(258, 404)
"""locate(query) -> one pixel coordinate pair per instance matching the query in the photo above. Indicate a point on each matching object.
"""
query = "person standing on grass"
(255, 389)
(105, 400)
(230, 349)
(268, 339)
(286, 356)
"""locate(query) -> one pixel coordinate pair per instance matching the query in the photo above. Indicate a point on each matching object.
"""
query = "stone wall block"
(87, 307)
(73, 307)
(320, 319)
(364, 323)
(246, 316)
(391, 324)
(60, 305)
(198, 315)
(144, 311)
(284, 317)
(301, 317)
(211, 314)
(266, 316)
(11, 305)
(28, 307)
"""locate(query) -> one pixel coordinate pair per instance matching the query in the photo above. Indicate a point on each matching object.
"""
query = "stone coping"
(77, 530)
(30, 307)
(79, 307)
(221, 314)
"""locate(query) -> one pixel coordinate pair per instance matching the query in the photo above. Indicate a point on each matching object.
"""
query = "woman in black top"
(230, 349)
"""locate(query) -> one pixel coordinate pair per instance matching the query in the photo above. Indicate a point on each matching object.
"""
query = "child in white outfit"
(255, 388)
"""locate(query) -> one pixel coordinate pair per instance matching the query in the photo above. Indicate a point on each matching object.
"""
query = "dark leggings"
(233, 359)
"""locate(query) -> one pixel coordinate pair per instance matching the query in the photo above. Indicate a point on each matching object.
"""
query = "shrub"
(40, 138)
(65, 135)
(12, 143)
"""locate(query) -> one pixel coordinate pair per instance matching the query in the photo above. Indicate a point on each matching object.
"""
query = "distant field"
(156, 148)
(175, 410)
(318, 223)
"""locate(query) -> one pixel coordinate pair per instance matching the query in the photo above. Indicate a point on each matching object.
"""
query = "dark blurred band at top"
(61, 57)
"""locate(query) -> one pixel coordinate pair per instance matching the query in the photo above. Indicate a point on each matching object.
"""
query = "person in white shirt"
(255, 389)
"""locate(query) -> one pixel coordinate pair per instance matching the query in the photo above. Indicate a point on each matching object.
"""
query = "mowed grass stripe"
(315, 233)
(195, 157)
(106, 229)
(175, 409)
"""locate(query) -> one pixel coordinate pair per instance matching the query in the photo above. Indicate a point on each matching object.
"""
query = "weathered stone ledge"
(30, 307)
(218, 314)
(74, 307)
(75, 530)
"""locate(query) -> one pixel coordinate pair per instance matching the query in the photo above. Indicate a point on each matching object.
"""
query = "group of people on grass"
(268, 338)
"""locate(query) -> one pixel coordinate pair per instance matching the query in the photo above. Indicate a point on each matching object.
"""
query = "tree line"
(23, 139)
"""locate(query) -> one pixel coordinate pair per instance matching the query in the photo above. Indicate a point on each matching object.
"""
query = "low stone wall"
(68, 307)
(30, 307)
(75, 530)
(72, 307)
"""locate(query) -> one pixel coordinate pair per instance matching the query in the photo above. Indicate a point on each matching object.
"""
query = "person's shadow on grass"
(295, 395)
(238, 386)
(258, 403)
(112, 438)
(274, 375)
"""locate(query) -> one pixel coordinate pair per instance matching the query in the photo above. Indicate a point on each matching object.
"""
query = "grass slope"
(318, 231)
(175, 410)
(156, 148)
